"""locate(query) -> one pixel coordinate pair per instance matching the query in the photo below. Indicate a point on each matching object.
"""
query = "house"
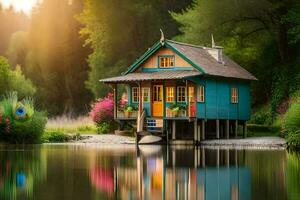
(186, 91)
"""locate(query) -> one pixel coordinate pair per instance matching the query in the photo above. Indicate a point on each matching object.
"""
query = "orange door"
(157, 103)
(192, 102)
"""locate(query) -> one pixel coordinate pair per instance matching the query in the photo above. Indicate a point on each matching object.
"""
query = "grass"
(254, 130)
(67, 125)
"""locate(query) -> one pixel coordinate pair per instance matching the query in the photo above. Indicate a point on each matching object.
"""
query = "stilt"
(195, 132)
(173, 130)
(235, 128)
(173, 158)
(203, 129)
(245, 129)
(217, 129)
(199, 133)
(227, 129)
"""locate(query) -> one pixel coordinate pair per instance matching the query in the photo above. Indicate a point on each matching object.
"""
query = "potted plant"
(128, 110)
(175, 109)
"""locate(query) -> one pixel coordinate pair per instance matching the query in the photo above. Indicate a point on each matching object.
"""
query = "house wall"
(151, 64)
(218, 104)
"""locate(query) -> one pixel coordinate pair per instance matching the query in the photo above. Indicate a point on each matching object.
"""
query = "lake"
(152, 172)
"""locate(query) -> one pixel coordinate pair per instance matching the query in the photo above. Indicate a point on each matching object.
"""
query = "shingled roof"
(200, 56)
(160, 75)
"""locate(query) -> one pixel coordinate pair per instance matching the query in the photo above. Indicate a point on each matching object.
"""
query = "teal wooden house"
(184, 91)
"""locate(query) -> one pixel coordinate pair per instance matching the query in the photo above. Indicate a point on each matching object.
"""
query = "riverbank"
(272, 142)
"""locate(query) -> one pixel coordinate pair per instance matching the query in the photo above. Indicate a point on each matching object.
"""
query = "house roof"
(200, 59)
(200, 56)
(159, 75)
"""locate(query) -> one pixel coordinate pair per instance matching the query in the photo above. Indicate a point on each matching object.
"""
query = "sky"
(20, 5)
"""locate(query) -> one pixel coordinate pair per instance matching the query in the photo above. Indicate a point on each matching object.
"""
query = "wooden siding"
(152, 62)
(217, 103)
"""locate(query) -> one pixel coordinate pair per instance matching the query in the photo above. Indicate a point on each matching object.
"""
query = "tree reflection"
(20, 171)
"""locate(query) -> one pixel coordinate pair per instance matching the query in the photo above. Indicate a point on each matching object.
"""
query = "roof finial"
(213, 45)
(162, 38)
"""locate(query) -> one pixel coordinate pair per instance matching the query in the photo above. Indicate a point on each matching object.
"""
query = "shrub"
(14, 80)
(104, 128)
(102, 114)
(55, 136)
(291, 125)
(19, 121)
(262, 116)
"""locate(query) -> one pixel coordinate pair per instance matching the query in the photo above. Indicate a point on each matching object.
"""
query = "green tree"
(120, 31)
(14, 80)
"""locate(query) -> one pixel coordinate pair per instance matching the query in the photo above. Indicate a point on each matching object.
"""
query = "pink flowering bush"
(102, 113)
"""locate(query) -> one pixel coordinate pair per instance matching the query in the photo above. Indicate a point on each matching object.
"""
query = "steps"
(154, 125)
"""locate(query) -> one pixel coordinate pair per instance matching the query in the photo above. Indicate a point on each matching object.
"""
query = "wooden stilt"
(203, 129)
(203, 157)
(235, 128)
(245, 129)
(217, 129)
(227, 129)
(227, 157)
(199, 133)
(195, 132)
(173, 130)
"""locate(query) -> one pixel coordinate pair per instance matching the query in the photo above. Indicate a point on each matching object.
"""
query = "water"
(154, 172)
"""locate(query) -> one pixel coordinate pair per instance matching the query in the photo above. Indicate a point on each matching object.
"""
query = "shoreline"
(251, 142)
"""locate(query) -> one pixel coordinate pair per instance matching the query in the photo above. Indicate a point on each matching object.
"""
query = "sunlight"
(20, 5)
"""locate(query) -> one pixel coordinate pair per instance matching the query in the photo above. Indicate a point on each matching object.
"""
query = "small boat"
(150, 139)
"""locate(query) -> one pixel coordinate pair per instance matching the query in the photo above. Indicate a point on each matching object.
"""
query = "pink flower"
(102, 109)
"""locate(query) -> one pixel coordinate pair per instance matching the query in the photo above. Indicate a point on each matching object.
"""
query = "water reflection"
(152, 172)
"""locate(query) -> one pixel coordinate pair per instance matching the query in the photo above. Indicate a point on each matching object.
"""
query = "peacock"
(20, 122)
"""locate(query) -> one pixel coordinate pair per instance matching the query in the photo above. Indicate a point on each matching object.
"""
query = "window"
(135, 95)
(146, 94)
(166, 61)
(200, 94)
(234, 95)
(191, 94)
(181, 94)
(170, 94)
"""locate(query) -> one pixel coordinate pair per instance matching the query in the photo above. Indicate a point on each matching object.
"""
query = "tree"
(120, 31)
(14, 80)
(255, 34)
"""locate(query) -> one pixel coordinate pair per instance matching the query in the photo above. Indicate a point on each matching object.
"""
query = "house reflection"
(176, 173)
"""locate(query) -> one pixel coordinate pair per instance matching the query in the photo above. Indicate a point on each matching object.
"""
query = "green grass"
(80, 125)
(255, 130)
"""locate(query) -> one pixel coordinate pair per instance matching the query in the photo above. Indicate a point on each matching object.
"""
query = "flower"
(102, 109)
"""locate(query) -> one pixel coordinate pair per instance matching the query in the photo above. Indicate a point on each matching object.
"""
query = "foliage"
(102, 110)
(102, 113)
(116, 47)
(14, 80)
(104, 127)
(262, 116)
(19, 121)
(291, 125)
(262, 36)
(55, 136)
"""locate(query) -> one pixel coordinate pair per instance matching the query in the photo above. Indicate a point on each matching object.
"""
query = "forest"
(59, 52)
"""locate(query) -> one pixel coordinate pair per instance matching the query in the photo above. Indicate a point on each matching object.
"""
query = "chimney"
(216, 51)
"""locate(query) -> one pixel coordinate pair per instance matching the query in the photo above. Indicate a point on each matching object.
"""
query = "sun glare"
(20, 5)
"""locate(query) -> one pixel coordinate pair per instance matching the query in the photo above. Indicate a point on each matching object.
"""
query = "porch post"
(227, 129)
(115, 90)
(140, 100)
(217, 129)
